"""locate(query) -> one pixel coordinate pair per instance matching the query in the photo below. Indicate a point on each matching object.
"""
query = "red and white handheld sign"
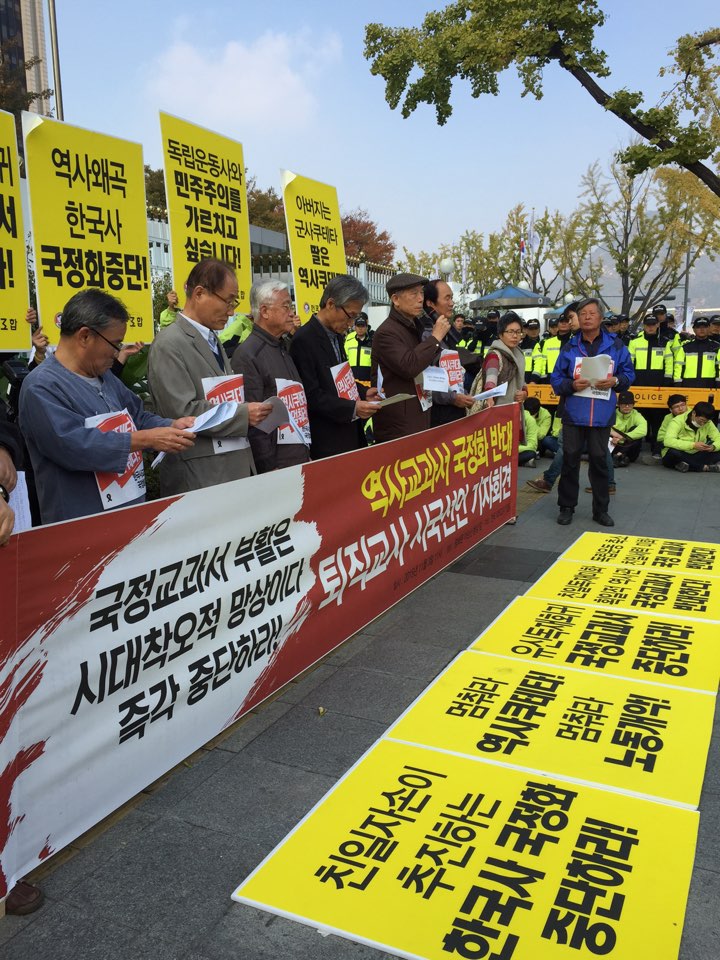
(226, 389)
(117, 489)
(345, 381)
(292, 394)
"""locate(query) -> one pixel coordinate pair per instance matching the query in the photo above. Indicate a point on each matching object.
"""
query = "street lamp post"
(57, 83)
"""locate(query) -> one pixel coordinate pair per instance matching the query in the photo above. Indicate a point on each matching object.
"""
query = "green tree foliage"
(155, 198)
(652, 228)
(364, 238)
(476, 40)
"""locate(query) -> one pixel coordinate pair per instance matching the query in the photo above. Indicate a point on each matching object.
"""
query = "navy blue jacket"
(590, 411)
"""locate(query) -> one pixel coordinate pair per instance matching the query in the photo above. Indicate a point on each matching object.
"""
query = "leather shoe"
(565, 516)
(540, 484)
(604, 519)
(24, 898)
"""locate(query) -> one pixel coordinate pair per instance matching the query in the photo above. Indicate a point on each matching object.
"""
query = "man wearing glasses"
(336, 422)
(74, 462)
(184, 369)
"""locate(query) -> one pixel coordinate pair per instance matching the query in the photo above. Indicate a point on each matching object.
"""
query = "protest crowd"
(231, 395)
(69, 420)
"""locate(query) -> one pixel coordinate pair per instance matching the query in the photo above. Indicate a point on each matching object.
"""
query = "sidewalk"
(154, 880)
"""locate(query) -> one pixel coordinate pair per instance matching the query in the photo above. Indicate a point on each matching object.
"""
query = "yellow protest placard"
(642, 646)
(87, 200)
(632, 736)
(424, 854)
(315, 233)
(14, 293)
(654, 553)
(207, 202)
(631, 588)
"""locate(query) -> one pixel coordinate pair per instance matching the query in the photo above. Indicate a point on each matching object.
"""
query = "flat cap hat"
(402, 281)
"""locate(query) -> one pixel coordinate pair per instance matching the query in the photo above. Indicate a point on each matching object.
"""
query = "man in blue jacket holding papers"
(588, 401)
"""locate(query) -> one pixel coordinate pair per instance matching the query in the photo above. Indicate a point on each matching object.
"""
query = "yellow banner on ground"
(631, 588)
(644, 396)
(653, 553)
(207, 202)
(315, 233)
(424, 854)
(87, 199)
(637, 737)
(14, 293)
(641, 646)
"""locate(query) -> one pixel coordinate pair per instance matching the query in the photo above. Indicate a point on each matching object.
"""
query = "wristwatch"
(4, 494)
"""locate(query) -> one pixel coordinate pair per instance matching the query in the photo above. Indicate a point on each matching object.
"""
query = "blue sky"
(289, 81)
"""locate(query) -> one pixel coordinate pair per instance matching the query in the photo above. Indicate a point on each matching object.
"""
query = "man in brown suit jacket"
(399, 353)
(185, 353)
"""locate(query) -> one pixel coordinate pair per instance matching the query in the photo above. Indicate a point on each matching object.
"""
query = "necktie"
(215, 347)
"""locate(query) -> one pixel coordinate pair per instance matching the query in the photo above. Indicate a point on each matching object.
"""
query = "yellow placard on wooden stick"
(87, 199)
(631, 588)
(653, 553)
(207, 202)
(14, 293)
(315, 233)
(642, 646)
(425, 854)
(631, 736)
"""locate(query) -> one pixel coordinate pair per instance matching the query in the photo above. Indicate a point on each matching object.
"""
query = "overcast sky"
(289, 81)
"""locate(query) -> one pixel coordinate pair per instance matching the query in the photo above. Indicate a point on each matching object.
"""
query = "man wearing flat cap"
(399, 354)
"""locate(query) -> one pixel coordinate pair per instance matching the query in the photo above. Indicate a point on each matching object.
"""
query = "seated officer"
(692, 441)
(628, 432)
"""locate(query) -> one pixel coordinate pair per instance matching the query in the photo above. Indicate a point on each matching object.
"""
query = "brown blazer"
(400, 353)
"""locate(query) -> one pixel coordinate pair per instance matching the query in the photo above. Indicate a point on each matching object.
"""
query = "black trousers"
(574, 440)
(696, 461)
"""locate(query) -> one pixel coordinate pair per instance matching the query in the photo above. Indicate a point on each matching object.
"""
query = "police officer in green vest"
(547, 351)
(358, 346)
(527, 345)
(653, 357)
(696, 363)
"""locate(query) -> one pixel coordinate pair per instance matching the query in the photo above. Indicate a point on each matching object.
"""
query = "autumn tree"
(265, 207)
(476, 40)
(364, 238)
(653, 228)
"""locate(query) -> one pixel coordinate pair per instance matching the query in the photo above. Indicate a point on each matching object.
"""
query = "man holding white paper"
(85, 431)
(592, 367)
(269, 371)
(188, 372)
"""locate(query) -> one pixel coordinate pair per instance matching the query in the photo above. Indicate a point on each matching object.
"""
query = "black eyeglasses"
(232, 303)
(117, 347)
(350, 317)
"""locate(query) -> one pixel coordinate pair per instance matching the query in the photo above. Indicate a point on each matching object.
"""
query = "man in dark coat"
(336, 422)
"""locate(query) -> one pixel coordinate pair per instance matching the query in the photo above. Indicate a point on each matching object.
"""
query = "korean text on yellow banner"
(87, 199)
(207, 202)
(653, 553)
(314, 229)
(642, 646)
(424, 854)
(14, 294)
(636, 737)
(631, 588)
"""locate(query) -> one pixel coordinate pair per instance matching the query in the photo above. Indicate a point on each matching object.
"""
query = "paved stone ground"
(154, 880)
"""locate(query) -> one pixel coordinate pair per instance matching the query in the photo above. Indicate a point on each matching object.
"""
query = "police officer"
(527, 345)
(358, 345)
(696, 362)
(547, 351)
